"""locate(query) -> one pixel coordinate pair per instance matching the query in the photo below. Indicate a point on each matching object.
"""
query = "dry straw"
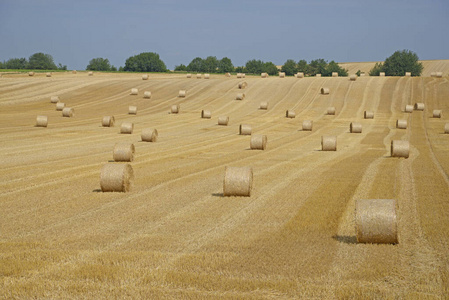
(149, 135)
(307, 125)
(206, 76)
(90, 74)
(318, 75)
(334, 74)
(408, 108)
(245, 129)
(108, 121)
(300, 75)
(240, 96)
(239, 75)
(258, 142)
(147, 94)
(401, 124)
(60, 106)
(189, 75)
(30, 73)
(331, 110)
(446, 128)
(439, 74)
(132, 110)
(375, 221)
(408, 74)
(127, 128)
(419, 106)
(175, 109)
(206, 114)
(68, 112)
(145, 77)
(41, 121)
(263, 105)
(437, 113)
(382, 74)
(198, 76)
(54, 99)
(328, 143)
(264, 75)
(290, 114)
(74, 72)
(238, 181)
(123, 152)
(324, 91)
(228, 74)
(48, 74)
(355, 127)
(242, 84)
(134, 91)
(353, 77)
(367, 114)
(116, 177)
(400, 148)
(182, 93)
(281, 74)
(223, 120)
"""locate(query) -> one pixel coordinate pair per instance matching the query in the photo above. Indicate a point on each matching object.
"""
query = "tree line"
(37, 61)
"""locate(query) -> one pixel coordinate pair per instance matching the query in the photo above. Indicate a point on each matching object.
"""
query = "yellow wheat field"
(174, 235)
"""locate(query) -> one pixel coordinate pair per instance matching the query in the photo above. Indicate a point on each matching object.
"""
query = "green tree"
(62, 67)
(1, 65)
(99, 64)
(211, 64)
(41, 61)
(255, 66)
(241, 69)
(375, 71)
(289, 67)
(196, 65)
(16, 63)
(113, 68)
(401, 62)
(358, 73)
(181, 67)
(334, 67)
(121, 69)
(225, 65)
(270, 68)
(145, 62)
(302, 66)
(317, 66)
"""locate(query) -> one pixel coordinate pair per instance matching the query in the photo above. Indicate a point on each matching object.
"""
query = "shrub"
(145, 62)
(99, 64)
(41, 61)
(290, 68)
(399, 63)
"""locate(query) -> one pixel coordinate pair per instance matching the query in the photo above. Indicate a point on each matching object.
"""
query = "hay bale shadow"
(221, 195)
(97, 191)
(345, 239)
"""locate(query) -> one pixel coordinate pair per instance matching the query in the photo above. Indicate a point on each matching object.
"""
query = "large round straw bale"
(355, 127)
(223, 120)
(438, 74)
(145, 77)
(30, 73)
(334, 74)
(446, 128)
(401, 124)
(240, 96)
(307, 125)
(147, 94)
(258, 142)
(48, 74)
(437, 113)
(408, 74)
(175, 109)
(127, 128)
(228, 74)
(239, 75)
(189, 75)
(149, 135)
(331, 110)
(432, 74)
(382, 74)
(116, 177)
(74, 72)
(60, 106)
(353, 77)
(245, 129)
(400, 148)
(243, 75)
(41, 121)
(408, 108)
(375, 221)
(324, 91)
(300, 75)
(54, 99)
(242, 84)
(367, 114)
(318, 75)
(198, 76)
(263, 105)
(108, 121)
(264, 75)
(206, 76)
(290, 114)
(281, 74)
(238, 181)
(206, 114)
(419, 106)
(68, 112)
(132, 110)
(182, 93)
(123, 152)
(328, 143)
(134, 91)
(90, 74)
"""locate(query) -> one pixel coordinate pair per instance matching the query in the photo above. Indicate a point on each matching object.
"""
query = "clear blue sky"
(76, 31)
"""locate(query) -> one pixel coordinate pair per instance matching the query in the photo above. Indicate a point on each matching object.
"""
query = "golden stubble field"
(174, 235)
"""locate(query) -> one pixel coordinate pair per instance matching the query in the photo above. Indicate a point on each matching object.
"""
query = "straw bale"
(245, 129)
(108, 121)
(239, 75)
(408, 108)
(41, 121)
(223, 120)
(182, 93)
(446, 128)
(318, 75)
(132, 110)
(334, 74)
(324, 91)
(328, 143)
(228, 74)
(60, 106)
(263, 105)
(127, 128)
(419, 106)
(331, 110)
(264, 75)
(362, 74)
(238, 181)
(54, 99)
(353, 77)
(206, 114)
(189, 75)
(240, 96)
(401, 124)
(48, 74)
(199, 76)
(242, 84)
(206, 76)
(147, 94)
(134, 91)
(433, 74)
(375, 221)
(30, 73)
(400, 148)
(90, 74)
(300, 75)
(258, 142)
(175, 109)
(68, 112)
(438, 74)
(290, 114)
(382, 74)
(74, 72)
(355, 127)
(408, 74)
(116, 177)
(149, 135)
(307, 125)
(367, 114)
(437, 113)
(123, 152)
(281, 74)
(145, 77)
(243, 75)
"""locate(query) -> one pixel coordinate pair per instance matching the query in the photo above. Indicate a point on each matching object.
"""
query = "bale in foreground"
(134, 91)
(127, 128)
(355, 127)
(41, 121)
(240, 96)
(206, 114)
(401, 124)
(68, 112)
(367, 114)
(147, 95)
(437, 113)
(263, 105)
(290, 114)
(258, 142)
(419, 106)
(324, 91)
(245, 129)
(149, 135)
(108, 121)
(331, 110)
(132, 110)
(223, 120)
(116, 177)
(175, 109)
(376, 221)
(238, 181)
(123, 152)
(400, 148)
(60, 106)
(307, 125)
(182, 93)
(328, 143)
(408, 108)
(145, 77)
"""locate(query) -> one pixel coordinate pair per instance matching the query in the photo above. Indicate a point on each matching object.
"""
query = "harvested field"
(174, 234)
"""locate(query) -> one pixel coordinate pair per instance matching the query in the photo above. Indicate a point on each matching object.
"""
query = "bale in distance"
(400, 148)
(243, 75)
(408, 108)
(238, 181)
(263, 105)
(331, 110)
(324, 91)
(175, 109)
(123, 152)
(375, 221)
(353, 77)
(318, 75)
(258, 142)
(206, 76)
(108, 121)
(68, 112)
(307, 125)
(446, 128)
(437, 113)
(240, 96)
(182, 93)
(382, 74)
(334, 74)
(281, 74)
(132, 110)
(134, 91)
(362, 74)
(199, 76)
(328, 143)
(30, 73)
(401, 124)
(419, 106)
(147, 95)
(290, 114)
(116, 177)
(239, 75)
(48, 74)
(189, 75)
(60, 106)
(432, 74)
(149, 135)
(74, 71)
(223, 120)
(245, 129)
(242, 84)
(355, 127)
(54, 99)
(90, 74)
(228, 74)
(41, 121)
(145, 77)
(264, 75)
(206, 114)
(367, 114)
(438, 74)
(127, 128)
(408, 74)
(300, 75)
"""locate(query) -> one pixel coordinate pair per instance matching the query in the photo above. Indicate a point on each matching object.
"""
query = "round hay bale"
(318, 75)
(239, 75)
(243, 75)
(408, 74)
(30, 73)
(199, 76)
(223, 120)
(264, 75)
(290, 114)
(145, 77)
(189, 75)
(401, 124)
(245, 129)
(74, 72)
(116, 177)
(175, 109)
(108, 121)
(437, 113)
(147, 95)
(240, 96)
(60, 106)
(182, 93)
(134, 91)
(446, 128)
(54, 99)
(408, 108)
(258, 142)
(206, 76)
(419, 106)
(400, 148)
(353, 77)
(382, 74)
(41, 121)
(132, 110)
(127, 128)
(48, 74)
(263, 105)
(238, 181)
(228, 74)
(328, 143)
(281, 74)
(90, 74)
(334, 74)
(362, 74)
(68, 112)
(367, 114)
(307, 125)
(375, 221)
(331, 110)
(123, 152)
(355, 127)
(206, 114)
(438, 74)
(242, 84)
(324, 91)
(300, 75)
(432, 74)
(149, 135)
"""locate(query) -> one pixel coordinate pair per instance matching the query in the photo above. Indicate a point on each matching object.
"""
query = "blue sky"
(76, 31)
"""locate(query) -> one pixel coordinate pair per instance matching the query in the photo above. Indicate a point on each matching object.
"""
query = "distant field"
(175, 236)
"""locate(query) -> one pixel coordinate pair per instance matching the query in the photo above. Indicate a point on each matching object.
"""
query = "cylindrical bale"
(408, 74)
(54, 99)
(30, 73)
(367, 114)
(90, 74)
(182, 93)
(307, 125)
(437, 113)
(375, 221)
(238, 181)
(239, 75)
(355, 127)
(243, 75)
(108, 121)
(60, 106)
(245, 129)
(242, 84)
(401, 124)
(408, 108)
(132, 110)
(127, 128)
(446, 128)
(48, 74)
(353, 77)
(290, 114)
(228, 74)
(439, 74)
(264, 75)
(419, 106)
(149, 135)
(145, 77)
(432, 74)
(189, 75)
(334, 74)
(281, 74)
(382, 74)
(116, 177)
(175, 109)
(74, 72)
(324, 91)
(198, 76)
(300, 75)
(328, 143)
(223, 120)
(400, 148)
(206, 114)
(263, 105)
(147, 94)
(331, 110)
(68, 112)
(240, 96)
(134, 91)
(318, 75)
(123, 152)
(206, 76)
(258, 142)
(41, 121)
